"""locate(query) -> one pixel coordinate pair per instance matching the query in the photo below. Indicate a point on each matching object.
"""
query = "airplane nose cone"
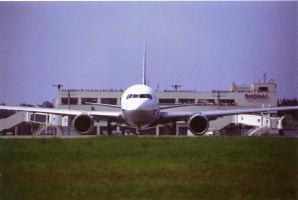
(139, 105)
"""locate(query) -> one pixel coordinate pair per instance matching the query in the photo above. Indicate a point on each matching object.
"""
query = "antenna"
(265, 77)
(59, 86)
(255, 75)
(176, 86)
(144, 66)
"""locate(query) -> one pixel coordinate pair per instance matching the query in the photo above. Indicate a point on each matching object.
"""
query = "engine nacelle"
(198, 124)
(83, 124)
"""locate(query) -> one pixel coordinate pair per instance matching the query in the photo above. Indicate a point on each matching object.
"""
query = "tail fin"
(144, 66)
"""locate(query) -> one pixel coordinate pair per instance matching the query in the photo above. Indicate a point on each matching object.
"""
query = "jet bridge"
(13, 120)
(41, 123)
(49, 124)
(263, 124)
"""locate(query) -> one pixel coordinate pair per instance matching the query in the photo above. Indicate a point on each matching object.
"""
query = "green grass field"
(149, 168)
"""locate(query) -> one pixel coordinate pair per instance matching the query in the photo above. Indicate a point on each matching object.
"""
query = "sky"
(99, 45)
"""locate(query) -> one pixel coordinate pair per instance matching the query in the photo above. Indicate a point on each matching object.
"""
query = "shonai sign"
(256, 96)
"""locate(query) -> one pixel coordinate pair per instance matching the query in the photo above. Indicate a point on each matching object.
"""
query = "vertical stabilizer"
(144, 66)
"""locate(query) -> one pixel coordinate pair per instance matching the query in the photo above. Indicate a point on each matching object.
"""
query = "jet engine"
(83, 124)
(198, 124)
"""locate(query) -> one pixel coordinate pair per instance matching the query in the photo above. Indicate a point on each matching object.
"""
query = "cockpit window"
(147, 96)
(142, 96)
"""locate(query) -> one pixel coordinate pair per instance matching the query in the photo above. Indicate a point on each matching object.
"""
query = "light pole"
(68, 99)
(68, 102)
(59, 86)
(176, 86)
(218, 99)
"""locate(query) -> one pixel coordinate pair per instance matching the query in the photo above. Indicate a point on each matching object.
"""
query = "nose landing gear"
(138, 132)
(111, 126)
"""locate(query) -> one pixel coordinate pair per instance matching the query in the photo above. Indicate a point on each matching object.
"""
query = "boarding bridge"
(263, 124)
(13, 120)
(221, 122)
(49, 124)
(46, 124)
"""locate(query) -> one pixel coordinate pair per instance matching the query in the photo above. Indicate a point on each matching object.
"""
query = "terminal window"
(85, 101)
(166, 101)
(187, 101)
(227, 102)
(206, 102)
(41, 118)
(72, 101)
(112, 101)
(263, 89)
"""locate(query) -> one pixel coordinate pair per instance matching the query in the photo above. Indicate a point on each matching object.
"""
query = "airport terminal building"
(236, 97)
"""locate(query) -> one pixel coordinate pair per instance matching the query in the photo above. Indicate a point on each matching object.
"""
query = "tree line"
(291, 116)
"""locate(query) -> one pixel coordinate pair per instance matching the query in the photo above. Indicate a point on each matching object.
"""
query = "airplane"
(140, 109)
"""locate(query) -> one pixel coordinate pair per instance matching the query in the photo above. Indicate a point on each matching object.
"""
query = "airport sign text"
(256, 96)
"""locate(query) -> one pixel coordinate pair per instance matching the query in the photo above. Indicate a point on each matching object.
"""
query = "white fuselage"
(139, 105)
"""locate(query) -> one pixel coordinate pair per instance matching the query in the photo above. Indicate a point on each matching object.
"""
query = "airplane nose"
(139, 105)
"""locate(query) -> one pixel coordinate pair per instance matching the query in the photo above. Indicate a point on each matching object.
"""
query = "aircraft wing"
(102, 104)
(163, 107)
(213, 114)
(102, 115)
(220, 113)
